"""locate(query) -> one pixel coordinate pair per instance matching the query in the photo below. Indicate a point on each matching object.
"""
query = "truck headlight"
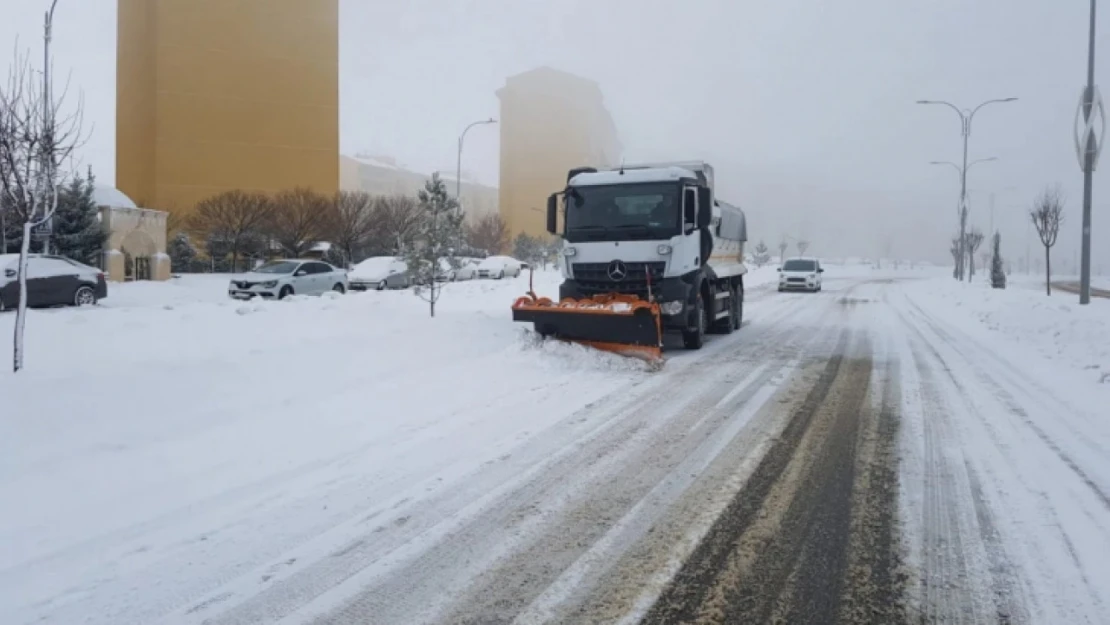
(664, 249)
(269, 285)
(671, 308)
(569, 251)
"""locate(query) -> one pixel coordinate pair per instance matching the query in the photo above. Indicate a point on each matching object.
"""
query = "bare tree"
(782, 250)
(1047, 215)
(973, 240)
(489, 233)
(234, 220)
(803, 245)
(352, 222)
(398, 218)
(298, 221)
(34, 143)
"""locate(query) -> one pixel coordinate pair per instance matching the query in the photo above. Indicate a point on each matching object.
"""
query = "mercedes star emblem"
(617, 271)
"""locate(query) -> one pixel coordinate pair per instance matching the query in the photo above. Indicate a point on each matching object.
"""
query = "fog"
(805, 107)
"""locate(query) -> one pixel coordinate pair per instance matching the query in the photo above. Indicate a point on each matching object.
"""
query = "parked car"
(51, 281)
(380, 273)
(468, 269)
(291, 276)
(802, 274)
(498, 267)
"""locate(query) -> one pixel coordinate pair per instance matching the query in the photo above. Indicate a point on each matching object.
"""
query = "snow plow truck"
(646, 250)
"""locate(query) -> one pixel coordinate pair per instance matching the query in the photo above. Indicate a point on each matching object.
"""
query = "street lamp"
(960, 172)
(458, 164)
(1087, 147)
(965, 130)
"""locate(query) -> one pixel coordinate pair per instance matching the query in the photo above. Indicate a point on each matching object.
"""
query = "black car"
(51, 281)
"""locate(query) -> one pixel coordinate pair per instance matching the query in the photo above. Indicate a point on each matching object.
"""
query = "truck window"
(635, 211)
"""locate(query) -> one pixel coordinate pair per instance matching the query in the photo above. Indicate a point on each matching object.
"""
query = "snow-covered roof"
(663, 174)
(112, 197)
(322, 246)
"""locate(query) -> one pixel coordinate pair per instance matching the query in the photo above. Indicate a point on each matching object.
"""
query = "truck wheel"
(737, 316)
(725, 326)
(694, 339)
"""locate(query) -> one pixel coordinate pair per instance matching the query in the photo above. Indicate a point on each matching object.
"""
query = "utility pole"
(966, 117)
(1087, 148)
(48, 123)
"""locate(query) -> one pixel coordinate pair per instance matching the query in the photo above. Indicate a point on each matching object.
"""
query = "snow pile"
(1056, 328)
(172, 439)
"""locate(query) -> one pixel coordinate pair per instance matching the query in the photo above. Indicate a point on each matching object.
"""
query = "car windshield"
(281, 266)
(799, 265)
(626, 211)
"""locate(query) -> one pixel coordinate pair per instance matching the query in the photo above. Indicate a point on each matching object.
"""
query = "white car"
(800, 274)
(282, 278)
(380, 273)
(498, 267)
(468, 269)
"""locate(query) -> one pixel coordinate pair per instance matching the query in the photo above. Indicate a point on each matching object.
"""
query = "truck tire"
(737, 316)
(726, 326)
(694, 339)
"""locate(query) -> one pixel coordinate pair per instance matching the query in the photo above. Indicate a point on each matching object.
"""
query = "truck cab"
(657, 232)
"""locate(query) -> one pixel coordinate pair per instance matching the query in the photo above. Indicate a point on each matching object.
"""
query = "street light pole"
(458, 163)
(965, 130)
(1088, 148)
(47, 122)
(961, 172)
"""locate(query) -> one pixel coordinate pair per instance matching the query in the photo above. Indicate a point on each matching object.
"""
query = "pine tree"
(182, 253)
(526, 248)
(998, 273)
(439, 234)
(77, 232)
(761, 255)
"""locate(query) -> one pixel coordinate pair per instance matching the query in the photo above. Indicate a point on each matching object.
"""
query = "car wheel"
(339, 288)
(84, 296)
(381, 285)
(500, 274)
(285, 292)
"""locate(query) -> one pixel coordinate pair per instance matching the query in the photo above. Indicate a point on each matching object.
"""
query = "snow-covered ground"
(1071, 340)
(172, 455)
(172, 402)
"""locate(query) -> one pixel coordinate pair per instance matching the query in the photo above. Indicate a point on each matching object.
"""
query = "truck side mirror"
(552, 212)
(705, 201)
(689, 207)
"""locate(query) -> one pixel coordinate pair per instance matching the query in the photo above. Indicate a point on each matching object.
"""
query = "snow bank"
(1056, 328)
(173, 438)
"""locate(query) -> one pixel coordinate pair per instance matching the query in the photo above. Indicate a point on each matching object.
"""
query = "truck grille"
(593, 278)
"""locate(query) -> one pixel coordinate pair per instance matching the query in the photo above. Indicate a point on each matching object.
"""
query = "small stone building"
(136, 247)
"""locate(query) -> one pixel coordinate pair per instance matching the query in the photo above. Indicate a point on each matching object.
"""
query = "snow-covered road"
(855, 456)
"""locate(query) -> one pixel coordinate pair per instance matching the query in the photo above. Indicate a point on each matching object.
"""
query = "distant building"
(551, 121)
(136, 246)
(381, 175)
(214, 95)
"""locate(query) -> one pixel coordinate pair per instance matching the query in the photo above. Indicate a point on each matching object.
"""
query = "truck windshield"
(625, 212)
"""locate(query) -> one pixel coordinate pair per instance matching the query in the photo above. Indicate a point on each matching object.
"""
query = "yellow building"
(214, 95)
(382, 175)
(551, 121)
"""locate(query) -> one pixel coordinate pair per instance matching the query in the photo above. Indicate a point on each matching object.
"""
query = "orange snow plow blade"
(623, 324)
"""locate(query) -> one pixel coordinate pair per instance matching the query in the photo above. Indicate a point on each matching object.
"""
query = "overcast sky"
(805, 107)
